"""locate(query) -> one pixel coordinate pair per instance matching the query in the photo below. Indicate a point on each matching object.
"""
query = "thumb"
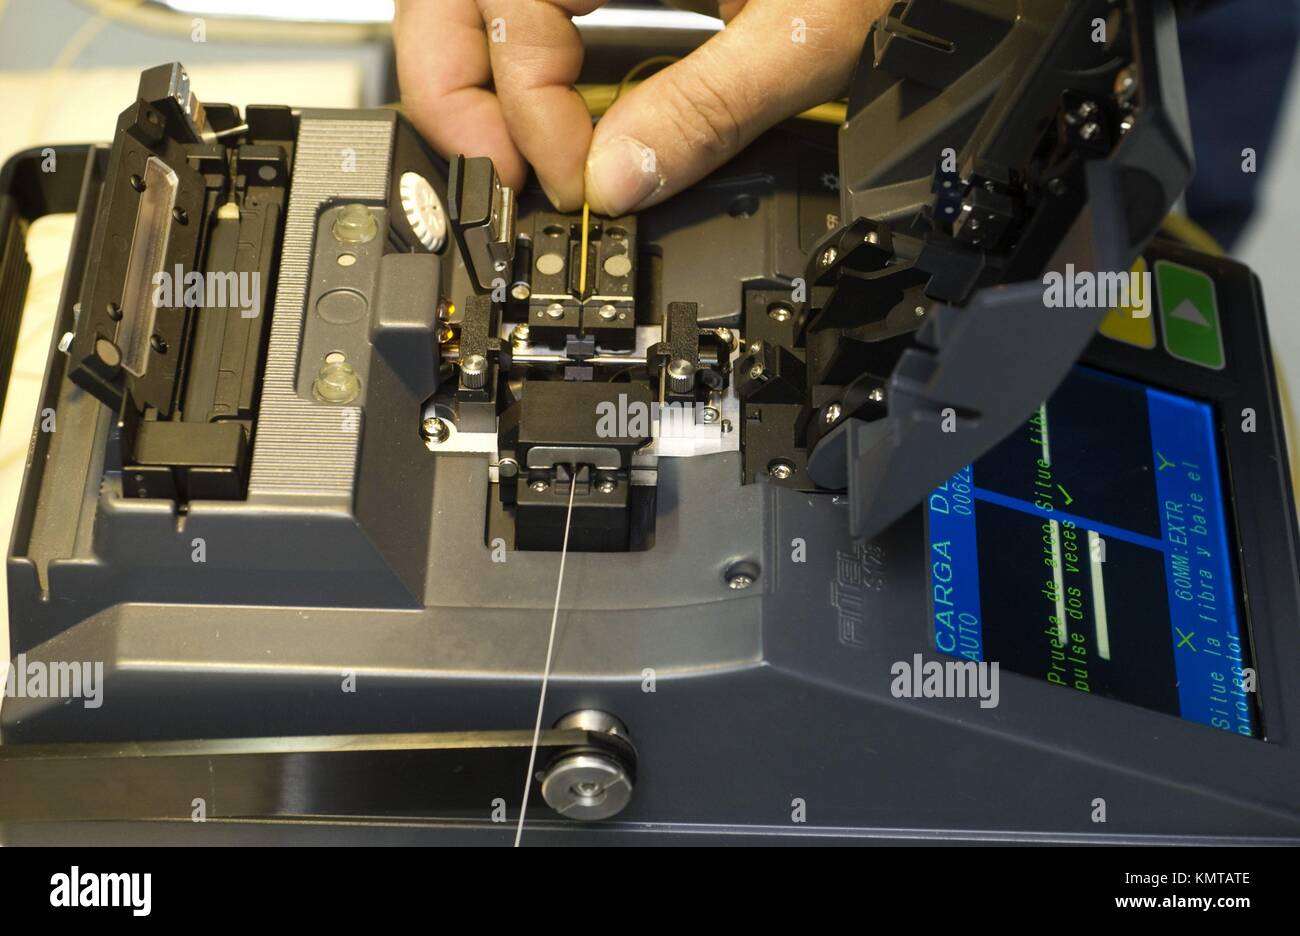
(773, 60)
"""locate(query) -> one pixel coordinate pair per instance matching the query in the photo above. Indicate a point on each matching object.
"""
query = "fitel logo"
(102, 890)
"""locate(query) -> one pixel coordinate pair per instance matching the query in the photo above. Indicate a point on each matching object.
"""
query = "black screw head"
(181, 216)
(137, 183)
(114, 311)
(159, 344)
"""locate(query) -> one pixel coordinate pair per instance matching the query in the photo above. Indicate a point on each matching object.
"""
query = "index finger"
(444, 71)
(536, 54)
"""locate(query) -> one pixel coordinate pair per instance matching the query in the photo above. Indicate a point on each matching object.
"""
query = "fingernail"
(550, 195)
(621, 174)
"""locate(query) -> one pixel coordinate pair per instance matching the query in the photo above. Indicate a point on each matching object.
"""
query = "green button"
(1189, 312)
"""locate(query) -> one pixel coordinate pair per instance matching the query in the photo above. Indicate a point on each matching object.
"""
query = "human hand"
(775, 59)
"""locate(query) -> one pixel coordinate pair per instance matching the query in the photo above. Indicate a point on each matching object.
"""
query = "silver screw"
(608, 313)
(606, 486)
(555, 310)
(780, 470)
(920, 311)
(435, 430)
(1089, 130)
(738, 581)
(709, 415)
(521, 291)
(877, 395)
(828, 256)
(539, 486)
(519, 335)
(779, 312)
(832, 415)
(1124, 83)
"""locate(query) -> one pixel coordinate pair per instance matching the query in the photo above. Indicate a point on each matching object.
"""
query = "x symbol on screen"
(1185, 640)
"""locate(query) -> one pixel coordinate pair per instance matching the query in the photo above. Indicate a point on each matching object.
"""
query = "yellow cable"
(638, 68)
(582, 267)
(1288, 422)
(605, 105)
(601, 97)
(832, 112)
(1182, 228)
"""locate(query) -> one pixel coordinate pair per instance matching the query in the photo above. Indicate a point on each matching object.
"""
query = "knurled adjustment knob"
(681, 376)
(473, 371)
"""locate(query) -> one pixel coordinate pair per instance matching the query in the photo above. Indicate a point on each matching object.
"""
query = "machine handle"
(40, 181)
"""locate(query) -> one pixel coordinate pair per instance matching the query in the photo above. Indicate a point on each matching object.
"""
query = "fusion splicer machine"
(901, 470)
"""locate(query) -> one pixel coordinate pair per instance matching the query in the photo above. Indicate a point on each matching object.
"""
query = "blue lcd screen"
(1090, 549)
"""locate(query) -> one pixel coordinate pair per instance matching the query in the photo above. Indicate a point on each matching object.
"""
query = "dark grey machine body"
(355, 591)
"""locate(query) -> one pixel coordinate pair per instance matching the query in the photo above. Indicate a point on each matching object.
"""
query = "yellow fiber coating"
(582, 268)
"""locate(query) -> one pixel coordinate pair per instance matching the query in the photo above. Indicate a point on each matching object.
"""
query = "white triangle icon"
(1188, 312)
